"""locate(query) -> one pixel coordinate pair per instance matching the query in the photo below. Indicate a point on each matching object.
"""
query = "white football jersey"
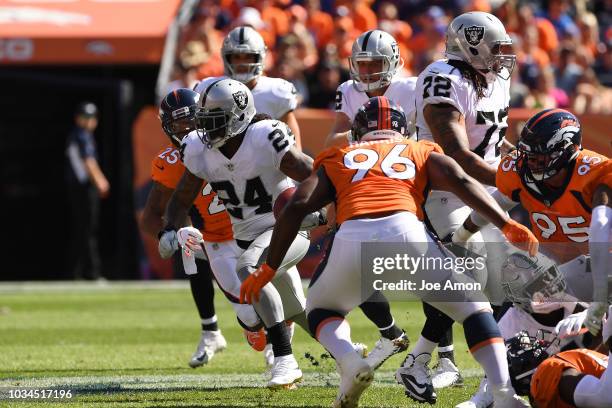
(250, 181)
(401, 90)
(485, 118)
(273, 96)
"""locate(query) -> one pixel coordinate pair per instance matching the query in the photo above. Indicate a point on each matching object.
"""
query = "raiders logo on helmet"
(241, 99)
(474, 34)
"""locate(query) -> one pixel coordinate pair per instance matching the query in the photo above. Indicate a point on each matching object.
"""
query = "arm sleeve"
(599, 250)
(504, 202)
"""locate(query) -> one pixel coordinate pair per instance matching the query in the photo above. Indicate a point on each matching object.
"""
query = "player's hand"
(250, 288)
(595, 314)
(190, 240)
(521, 237)
(168, 243)
(314, 219)
(571, 325)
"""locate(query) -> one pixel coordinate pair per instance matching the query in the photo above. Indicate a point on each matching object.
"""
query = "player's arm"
(447, 126)
(152, 217)
(599, 250)
(97, 176)
(445, 174)
(311, 195)
(291, 121)
(296, 164)
(475, 221)
(338, 135)
(188, 188)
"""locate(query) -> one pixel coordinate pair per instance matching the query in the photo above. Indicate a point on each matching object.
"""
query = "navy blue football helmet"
(549, 141)
(379, 118)
(177, 113)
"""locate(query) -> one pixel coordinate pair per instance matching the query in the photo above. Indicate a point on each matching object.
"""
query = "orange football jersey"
(565, 219)
(377, 176)
(545, 380)
(167, 169)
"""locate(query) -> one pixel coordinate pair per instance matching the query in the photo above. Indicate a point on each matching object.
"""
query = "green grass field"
(128, 345)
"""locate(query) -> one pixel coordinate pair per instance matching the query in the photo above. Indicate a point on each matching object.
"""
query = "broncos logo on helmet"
(177, 113)
(379, 118)
(525, 353)
(549, 142)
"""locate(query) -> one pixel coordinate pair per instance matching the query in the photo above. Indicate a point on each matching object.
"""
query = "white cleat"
(268, 354)
(482, 399)
(507, 398)
(415, 376)
(361, 350)
(211, 342)
(285, 373)
(446, 374)
(356, 376)
(385, 348)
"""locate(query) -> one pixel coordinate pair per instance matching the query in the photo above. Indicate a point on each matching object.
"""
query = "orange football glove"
(521, 237)
(250, 288)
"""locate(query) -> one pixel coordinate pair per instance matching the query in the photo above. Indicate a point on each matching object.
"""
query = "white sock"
(423, 346)
(210, 320)
(492, 358)
(335, 336)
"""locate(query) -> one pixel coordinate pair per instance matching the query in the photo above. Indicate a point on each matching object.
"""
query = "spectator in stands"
(86, 185)
(543, 92)
(528, 50)
(344, 36)
(185, 76)
(558, 14)
(328, 76)
(428, 44)
(360, 12)
(319, 23)
(567, 71)
(591, 96)
(400, 30)
(589, 36)
(603, 66)
(306, 48)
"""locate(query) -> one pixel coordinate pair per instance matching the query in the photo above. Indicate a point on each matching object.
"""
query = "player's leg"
(202, 290)
(270, 308)
(335, 289)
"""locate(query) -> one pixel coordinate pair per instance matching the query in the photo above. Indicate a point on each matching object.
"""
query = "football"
(282, 200)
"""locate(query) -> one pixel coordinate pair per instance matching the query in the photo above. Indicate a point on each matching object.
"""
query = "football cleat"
(356, 376)
(415, 376)
(446, 374)
(285, 373)
(507, 398)
(257, 340)
(361, 350)
(385, 348)
(482, 399)
(211, 342)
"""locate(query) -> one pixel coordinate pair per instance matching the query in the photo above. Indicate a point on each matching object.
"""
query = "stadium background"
(124, 55)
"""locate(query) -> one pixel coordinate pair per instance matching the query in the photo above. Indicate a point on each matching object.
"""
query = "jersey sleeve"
(342, 103)
(287, 97)
(323, 156)
(165, 173)
(505, 178)
(422, 151)
(192, 151)
(441, 88)
(274, 139)
(601, 173)
(86, 145)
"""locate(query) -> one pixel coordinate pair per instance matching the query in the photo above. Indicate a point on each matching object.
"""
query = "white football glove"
(571, 325)
(314, 220)
(465, 239)
(168, 243)
(595, 314)
(190, 239)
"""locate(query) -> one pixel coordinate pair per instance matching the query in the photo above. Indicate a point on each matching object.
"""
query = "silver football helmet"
(225, 109)
(243, 40)
(374, 45)
(477, 38)
(528, 279)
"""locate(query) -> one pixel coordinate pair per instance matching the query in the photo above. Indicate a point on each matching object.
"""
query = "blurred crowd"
(563, 48)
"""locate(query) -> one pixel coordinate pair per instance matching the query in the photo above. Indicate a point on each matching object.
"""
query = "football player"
(177, 115)
(567, 192)
(248, 163)
(244, 54)
(575, 378)
(463, 106)
(374, 63)
(378, 184)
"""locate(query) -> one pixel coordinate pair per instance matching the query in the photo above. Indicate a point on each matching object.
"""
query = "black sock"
(445, 346)
(391, 333)
(203, 293)
(278, 335)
